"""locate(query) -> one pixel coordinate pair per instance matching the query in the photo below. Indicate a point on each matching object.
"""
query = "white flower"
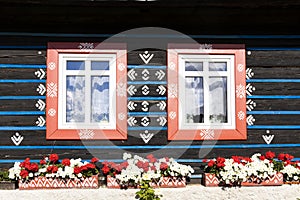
(126, 156)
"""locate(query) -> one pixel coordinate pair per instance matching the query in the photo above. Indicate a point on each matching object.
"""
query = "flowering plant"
(51, 167)
(135, 169)
(291, 170)
(239, 169)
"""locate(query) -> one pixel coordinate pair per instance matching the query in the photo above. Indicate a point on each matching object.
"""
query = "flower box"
(163, 182)
(53, 183)
(210, 180)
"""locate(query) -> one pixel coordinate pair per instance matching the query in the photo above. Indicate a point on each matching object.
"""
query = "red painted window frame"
(240, 131)
(52, 130)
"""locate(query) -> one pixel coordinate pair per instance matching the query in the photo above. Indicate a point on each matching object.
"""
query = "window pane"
(100, 65)
(194, 107)
(100, 99)
(75, 99)
(193, 66)
(217, 66)
(75, 65)
(218, 100)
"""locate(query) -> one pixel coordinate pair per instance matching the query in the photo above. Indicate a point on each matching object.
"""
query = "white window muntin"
(229, 74)
(88, 73)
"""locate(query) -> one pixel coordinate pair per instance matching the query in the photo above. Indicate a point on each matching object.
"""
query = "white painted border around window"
(230, 89)
(62, 124)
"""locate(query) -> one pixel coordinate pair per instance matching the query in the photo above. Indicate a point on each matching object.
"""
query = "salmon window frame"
(55, 53)
(175, 113)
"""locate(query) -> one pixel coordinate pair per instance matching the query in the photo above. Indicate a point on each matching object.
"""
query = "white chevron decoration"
(40, 73)
(249, 89)
(162, 120)
(268, 138)
(146, 57)
(41, 89)
(249, 73)
(17, 139)
(250, 105)
(250, 120)
(40, 104)
(161, 105)
(161, 90)
(40, 121)
(132, 74)
(146, 136)
(131, 90)
(131, 121)
(160, 74)
(131, 105)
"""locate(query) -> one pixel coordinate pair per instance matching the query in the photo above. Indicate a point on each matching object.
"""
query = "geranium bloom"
(34, 167)
(24, 173)
(42, 162)
(66, 162)
(94, 160)
(53, 157)
(270, 155)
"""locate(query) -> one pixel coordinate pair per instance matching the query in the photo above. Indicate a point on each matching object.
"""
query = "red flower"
(34, 167)
(53, 157)
(236, 159)
(211, 163)
(281, 156)
(262, 157)
(94, 160)
(270, 155)
(52, 169)
(124, 164)
(204, 160)
(163, 166)
(151, 158)
(105, 169)
(289, 157)
(77, 170)
(90, 166)
(66, 162)
(220, 160)
(24, 173)
(42, 162)
(83, 168)
(220, 165)
(140, 164)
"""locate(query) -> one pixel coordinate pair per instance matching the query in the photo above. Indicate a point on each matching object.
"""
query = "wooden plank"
(18, 105)
(277, 104)
(274, 59)
(276, 88)
(276, 72)
(19, 89)
(20, 73)
(22, 56)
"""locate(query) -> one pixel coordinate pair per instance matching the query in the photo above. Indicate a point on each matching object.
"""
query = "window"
(86, 91)
(206, 92)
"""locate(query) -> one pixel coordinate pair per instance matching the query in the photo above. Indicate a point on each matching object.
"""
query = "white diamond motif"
(52, 66)
(121, 66)
(172, 90)
(52, 89)
(241, 67)
(121, 116)
(172, 115)
(240, 91)
(86, 134)
(207, 134)
(52, 112)
(172, 66)
(121, 89)
(241, 115)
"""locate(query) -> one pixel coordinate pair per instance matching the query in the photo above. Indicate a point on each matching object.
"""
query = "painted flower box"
(53, 183)
(163, 182)
(210, 180)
